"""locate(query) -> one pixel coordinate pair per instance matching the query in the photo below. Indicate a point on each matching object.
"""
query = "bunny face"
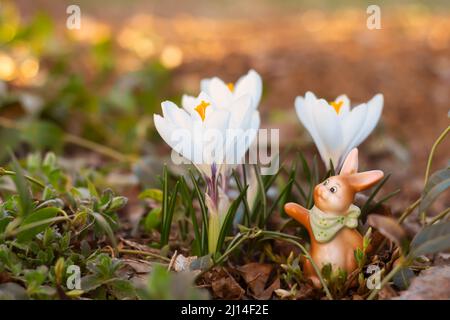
(337, 193)
(333, 195)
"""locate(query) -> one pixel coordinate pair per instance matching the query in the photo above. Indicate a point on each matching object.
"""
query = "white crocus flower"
(335, 128)
(225, 94)
(232, 97)
(200, 133)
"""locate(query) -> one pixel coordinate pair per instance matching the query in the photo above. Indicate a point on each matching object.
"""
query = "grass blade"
(262, 195)
(203, 209)
(285, 191)
(187, 198)
(168, 216)
(246, 206)
(228, 220)
(384, 199)
(365, 208)
(165, 202)
(22, 187)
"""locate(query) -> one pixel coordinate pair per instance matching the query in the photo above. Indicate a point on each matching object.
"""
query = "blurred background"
(63, 89)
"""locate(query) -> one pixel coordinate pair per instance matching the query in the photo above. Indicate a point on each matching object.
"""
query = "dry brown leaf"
(306, 291)
(227, 288)
(424, 287)
(386, 293)
(267, 294)
(138, 265)
(256, 276)
(138, 246)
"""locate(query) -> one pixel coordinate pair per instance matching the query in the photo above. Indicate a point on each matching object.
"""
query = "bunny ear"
(350, 165)
(364, 180)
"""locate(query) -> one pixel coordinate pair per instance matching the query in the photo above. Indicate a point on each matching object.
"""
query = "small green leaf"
(152, 220)
(403, 277)
(118, 203)
(326, 271)
(40, 215)
(154, 194)
(92, 189)
(104, 225)
(431, 239)
(437, 184)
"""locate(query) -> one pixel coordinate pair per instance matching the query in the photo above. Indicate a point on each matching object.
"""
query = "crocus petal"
(188, 103)
(214, 136)
(219, 93)
(352, 125)
(241, 112)
(345, 107)
(246, 140)
(329, 130)
(251, 84)
(374, 109)
(177, 116)
(219, 119)
(304, 108)
(167, 130)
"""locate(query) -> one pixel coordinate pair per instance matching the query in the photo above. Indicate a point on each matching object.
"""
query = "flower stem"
(213, 232)
(423, 215)
(4, 172)
(408, 210)
(433, 150)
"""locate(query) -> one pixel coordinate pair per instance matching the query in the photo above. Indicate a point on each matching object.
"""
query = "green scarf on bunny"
(325, 225)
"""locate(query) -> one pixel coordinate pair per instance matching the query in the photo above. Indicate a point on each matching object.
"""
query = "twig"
(143, 253)
(73, 139)
(440, 216)
(104, 150)
(172, 261)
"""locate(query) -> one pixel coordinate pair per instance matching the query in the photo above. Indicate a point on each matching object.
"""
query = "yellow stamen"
(201, 109)
(337, 105)
(230, 86)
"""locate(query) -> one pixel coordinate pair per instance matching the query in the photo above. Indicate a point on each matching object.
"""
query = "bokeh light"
(7, 67)
(171, 56)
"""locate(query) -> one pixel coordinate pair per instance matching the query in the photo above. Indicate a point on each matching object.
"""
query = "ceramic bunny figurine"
(332, 222)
